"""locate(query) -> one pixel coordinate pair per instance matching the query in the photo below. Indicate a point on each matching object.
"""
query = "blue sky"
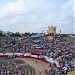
(37, 15)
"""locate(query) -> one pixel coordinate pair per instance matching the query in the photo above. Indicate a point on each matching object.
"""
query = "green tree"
(15, 35)
(2, 35)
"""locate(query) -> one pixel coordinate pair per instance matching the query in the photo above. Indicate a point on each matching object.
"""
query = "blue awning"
(39, 47)
(37, 41)
(34, 36)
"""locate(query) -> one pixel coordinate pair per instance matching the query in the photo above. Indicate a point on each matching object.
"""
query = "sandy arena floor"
(39, 66)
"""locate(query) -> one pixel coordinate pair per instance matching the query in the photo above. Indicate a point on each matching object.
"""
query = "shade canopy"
(39, 47)
(37, 41)
(34, 36)
(37, 52)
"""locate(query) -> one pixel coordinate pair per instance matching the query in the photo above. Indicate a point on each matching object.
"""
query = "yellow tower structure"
(51, 32)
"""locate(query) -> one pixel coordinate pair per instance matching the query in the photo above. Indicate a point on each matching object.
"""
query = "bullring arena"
(19, 64)
(27, 56)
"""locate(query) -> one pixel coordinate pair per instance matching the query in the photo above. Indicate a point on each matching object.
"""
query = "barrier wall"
(27, 55)
(30, 57)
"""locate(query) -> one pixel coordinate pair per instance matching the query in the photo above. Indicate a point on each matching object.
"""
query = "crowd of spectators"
(60, 48)
(15, 67)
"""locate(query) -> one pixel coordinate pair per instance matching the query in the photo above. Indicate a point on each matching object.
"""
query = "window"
(52, 34)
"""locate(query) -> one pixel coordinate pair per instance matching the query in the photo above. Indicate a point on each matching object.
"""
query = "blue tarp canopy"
(39, 47)
(37, 41)
(34, 36)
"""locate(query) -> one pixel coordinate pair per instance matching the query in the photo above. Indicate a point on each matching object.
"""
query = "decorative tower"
(51, 32)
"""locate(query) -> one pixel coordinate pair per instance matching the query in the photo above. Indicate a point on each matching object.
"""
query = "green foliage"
(26, 34)
(34, 34)
(1, 35)
(15, 35)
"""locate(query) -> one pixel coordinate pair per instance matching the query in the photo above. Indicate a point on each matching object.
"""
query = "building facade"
(51, 32)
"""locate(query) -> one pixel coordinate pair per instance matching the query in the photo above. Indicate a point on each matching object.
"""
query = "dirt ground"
(39, 66)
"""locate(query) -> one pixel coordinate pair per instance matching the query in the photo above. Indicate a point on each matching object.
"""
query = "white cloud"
(65, 20)
(23, 6)
(25, 14)
(36, 15)
(12, 8)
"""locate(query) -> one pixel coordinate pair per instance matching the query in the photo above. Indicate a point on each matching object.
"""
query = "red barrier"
(2, 56)
(41, 59)
(30, 57)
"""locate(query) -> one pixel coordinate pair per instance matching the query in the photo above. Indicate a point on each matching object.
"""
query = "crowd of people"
(15, 67)
(60, 48)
